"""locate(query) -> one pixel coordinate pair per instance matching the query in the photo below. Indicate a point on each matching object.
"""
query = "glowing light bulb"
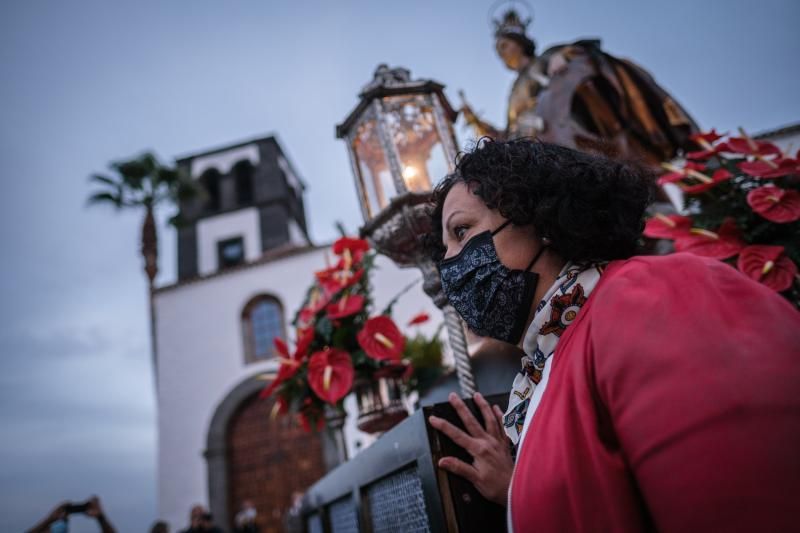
(410, 172)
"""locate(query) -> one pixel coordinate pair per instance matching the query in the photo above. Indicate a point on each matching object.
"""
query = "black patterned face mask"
(492, 299)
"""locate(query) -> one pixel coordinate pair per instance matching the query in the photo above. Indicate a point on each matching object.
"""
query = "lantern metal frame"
(394, 230)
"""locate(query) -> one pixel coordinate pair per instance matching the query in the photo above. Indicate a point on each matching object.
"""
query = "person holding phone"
(656, 393)
(57, 521)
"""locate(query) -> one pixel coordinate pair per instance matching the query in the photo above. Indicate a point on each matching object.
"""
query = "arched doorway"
(253, 456)
(268, 460)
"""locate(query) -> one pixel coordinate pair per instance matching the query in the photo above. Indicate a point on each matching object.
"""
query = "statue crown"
(511, 23)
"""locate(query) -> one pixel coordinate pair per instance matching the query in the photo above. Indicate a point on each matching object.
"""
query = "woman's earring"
(546, 241)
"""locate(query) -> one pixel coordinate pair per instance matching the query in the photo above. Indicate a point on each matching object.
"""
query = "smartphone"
(75, 508)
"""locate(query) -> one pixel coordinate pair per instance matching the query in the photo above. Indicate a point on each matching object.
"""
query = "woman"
(657, 393)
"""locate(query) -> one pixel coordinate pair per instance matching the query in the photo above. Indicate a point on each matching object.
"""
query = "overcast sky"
(85, 82)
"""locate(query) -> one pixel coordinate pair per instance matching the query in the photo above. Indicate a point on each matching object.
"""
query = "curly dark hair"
(590, 207)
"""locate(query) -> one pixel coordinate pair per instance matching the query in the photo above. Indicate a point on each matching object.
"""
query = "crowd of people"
(200, 519)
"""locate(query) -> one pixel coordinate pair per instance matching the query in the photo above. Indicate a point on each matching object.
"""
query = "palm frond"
(166, 175)
(105, 180)
(141, 181)
(184, 190)
(135, 171)
(105, 198)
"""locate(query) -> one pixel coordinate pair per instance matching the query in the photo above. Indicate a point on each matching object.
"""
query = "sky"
(86, 82)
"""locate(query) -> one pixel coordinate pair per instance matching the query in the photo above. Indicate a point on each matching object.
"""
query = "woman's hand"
(492, 465)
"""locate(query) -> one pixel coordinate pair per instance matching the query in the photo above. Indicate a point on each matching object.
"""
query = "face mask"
(493, 300)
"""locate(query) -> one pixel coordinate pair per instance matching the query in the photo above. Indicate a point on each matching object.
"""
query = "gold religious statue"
(577, 95)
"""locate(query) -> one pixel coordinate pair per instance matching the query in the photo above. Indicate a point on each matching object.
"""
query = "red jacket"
(673, 405)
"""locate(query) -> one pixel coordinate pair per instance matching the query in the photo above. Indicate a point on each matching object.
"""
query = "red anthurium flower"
(346, 306)
(706, 183)
(334, 279)
(771, 168)
(351, 244)
(318, 299)
(690, 168)
(667, 226)
(775, 204)
(707, 138)
(748, 146)
(305, 318)
(721, 244)
(706, 142)
(381, 339)
(281, 407)
(349, 260)
(352, 251)
(330, 374)
(704, 154)
(305, 336)
(289, 363)
(420, 318)
(768, 265)
(287, 369)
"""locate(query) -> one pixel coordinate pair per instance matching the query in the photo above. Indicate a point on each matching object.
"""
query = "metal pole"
(334, 419)
(458, 343)
(432, 285)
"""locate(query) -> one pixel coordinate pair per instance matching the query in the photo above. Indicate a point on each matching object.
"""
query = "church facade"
(245, 262)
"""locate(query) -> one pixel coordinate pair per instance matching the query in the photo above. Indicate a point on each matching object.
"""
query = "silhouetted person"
(160, 527)
(246, 518)
(58, 519)
(201, 521)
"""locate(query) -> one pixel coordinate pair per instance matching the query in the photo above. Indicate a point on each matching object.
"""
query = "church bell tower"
(253, 204)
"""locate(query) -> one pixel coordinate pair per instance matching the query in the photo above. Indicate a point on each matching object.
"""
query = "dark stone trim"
(216, 452)
(225, 148)
(789, 129)
(268, 257)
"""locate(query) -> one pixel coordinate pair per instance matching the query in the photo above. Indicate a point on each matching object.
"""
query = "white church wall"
(201, 358)
(788, 142)
(241, 223)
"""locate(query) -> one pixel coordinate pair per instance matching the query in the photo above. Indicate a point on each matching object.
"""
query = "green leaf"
(340, 228)
(324, 328)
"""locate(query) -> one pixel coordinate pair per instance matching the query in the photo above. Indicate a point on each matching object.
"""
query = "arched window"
(262, 322)
(210, 181)
(243, 175)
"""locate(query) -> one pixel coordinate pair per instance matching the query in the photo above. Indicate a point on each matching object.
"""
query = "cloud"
(77, 411)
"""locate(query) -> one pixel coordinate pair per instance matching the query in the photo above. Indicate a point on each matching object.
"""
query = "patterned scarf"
(557, 310)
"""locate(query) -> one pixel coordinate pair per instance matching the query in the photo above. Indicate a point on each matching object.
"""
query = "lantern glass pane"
(374, 173)
(411, 122)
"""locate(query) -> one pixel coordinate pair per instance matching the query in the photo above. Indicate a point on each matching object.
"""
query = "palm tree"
(144, 183)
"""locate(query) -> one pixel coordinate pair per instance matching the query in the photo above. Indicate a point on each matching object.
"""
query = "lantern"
(401, 142)
(399, 137)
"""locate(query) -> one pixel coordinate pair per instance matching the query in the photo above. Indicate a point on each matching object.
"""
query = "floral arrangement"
(742, 206)
(339, 340)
